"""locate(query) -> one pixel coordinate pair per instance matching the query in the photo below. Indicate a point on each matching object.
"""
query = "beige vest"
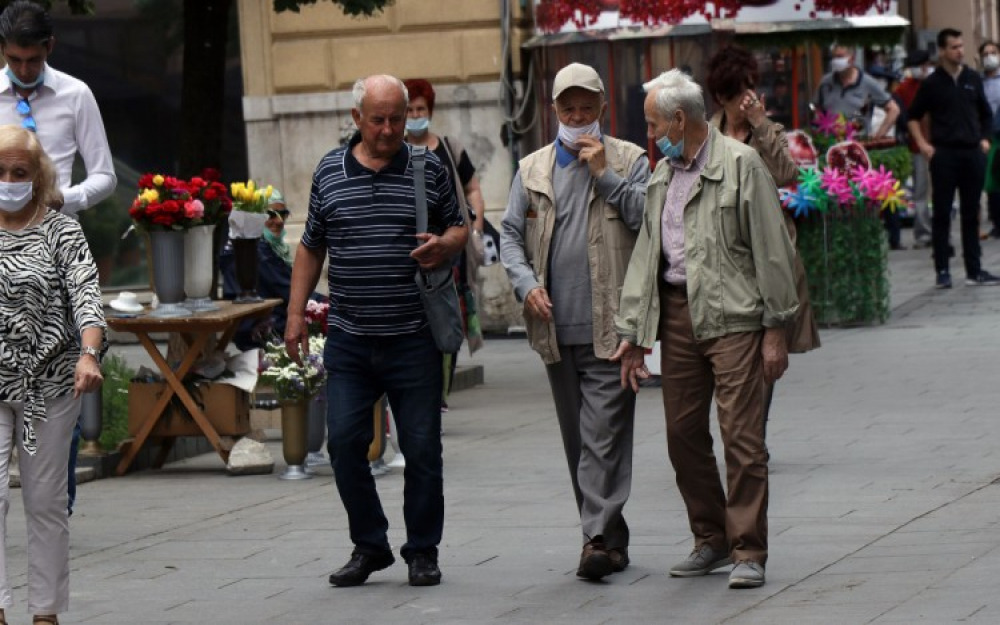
(609, 245)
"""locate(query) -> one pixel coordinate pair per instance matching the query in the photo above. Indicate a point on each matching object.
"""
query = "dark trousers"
(407, 368)
(962, 170)
(993, 206)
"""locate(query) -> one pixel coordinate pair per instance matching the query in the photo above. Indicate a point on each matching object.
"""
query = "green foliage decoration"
(114, 396)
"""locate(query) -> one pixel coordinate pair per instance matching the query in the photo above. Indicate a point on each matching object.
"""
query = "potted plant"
(294, 385)
(246, 226)
(164, 209)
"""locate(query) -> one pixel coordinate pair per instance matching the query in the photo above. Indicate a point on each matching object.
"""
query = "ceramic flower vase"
(198, 268)
(294, 426)
(245, 254)
(317, 430)
(167, 251)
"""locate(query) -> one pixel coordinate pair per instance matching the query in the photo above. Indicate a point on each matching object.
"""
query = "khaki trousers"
(43, 489)
(730, 368)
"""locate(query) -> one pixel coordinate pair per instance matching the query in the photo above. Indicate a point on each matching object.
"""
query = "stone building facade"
(298, 69)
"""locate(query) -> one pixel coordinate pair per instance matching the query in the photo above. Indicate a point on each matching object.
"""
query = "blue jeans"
(406, 368)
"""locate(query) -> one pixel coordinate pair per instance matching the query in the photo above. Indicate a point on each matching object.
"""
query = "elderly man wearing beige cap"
(574, 210)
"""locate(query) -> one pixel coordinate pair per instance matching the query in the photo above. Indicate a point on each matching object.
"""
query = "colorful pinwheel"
(827, 123)
(837, 186)
(894, 199)
(797, 201)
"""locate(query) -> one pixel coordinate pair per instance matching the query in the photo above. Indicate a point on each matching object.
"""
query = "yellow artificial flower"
(158, 180)
(250, 186)
(151, 195)
(256, 196)
(268, 191)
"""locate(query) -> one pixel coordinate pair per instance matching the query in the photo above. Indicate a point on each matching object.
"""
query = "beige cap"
(577, 75)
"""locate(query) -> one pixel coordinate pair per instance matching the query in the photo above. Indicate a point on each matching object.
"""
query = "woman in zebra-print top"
(51, 337)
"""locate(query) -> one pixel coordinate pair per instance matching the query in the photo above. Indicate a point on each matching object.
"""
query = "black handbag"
(437, 286)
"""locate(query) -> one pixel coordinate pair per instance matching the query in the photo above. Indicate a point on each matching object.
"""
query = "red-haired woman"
(732, 79)
(419, 113)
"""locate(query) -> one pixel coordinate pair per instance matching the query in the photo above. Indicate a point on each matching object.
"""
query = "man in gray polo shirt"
(848, 90)
(574, 210)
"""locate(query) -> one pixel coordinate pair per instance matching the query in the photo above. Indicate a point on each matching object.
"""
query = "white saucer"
(125, 306)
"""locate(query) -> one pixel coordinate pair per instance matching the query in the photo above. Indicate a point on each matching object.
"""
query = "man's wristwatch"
(87, 350)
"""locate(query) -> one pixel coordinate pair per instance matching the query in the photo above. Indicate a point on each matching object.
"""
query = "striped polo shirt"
(367, 222)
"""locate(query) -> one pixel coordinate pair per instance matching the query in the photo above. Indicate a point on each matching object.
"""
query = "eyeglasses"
(24, 108)
(283, 213)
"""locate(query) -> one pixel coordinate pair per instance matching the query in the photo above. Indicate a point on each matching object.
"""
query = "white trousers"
(43, 489)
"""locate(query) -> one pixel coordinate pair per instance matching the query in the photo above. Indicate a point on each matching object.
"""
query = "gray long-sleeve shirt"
(569, 278)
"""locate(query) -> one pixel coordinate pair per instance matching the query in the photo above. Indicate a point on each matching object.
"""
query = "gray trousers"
(921, 186)
(43, 489)
(596, 418)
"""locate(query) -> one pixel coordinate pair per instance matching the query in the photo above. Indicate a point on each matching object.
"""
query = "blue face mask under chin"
(670, 149)
(25, 85)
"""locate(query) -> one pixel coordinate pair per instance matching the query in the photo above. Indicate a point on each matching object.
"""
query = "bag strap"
(418, 156)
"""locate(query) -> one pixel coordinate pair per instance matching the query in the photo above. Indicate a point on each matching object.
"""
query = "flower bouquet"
(164, 203)
(316, 313)
(211, 196)
(293, 382)
(246, 221)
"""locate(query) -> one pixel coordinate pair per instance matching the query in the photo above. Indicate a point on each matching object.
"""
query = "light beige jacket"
(610, 244)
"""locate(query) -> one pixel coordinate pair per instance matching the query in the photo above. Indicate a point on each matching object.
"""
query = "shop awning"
(864, 31)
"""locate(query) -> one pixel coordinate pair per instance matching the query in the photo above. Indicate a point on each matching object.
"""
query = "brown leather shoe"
(619, 559)
(595, 562)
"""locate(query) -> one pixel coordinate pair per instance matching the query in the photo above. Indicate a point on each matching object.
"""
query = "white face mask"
(839, 64)
(15, 195)
(568, 135)
(991, 62)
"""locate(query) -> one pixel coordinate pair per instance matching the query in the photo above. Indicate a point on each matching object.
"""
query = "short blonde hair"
(47, 193)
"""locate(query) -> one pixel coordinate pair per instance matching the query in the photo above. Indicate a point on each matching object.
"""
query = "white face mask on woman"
(15, 195)
(991, 62)
(569, 135)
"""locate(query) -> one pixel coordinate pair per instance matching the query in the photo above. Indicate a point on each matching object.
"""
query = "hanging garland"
(552, 15)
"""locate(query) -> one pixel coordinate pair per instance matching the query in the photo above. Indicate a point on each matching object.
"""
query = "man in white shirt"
(59, 108)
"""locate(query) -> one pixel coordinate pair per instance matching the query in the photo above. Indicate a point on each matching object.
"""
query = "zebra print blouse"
(48, 294)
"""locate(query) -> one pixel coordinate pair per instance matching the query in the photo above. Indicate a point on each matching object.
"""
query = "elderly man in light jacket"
(575, 207)
(712, 277)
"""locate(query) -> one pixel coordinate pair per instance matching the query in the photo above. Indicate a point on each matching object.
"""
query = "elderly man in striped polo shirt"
(362, 217)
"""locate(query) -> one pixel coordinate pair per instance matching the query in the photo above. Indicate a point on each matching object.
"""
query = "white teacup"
(126, 302)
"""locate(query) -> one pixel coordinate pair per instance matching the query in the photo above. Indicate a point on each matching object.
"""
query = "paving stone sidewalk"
(883, 503)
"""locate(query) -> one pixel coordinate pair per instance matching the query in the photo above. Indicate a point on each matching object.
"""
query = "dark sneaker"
(360, 566)
(747, 574)
(595, 561)
(943, 280)
(984, 278)
(424, 570)
(619, 559)
(702, 561)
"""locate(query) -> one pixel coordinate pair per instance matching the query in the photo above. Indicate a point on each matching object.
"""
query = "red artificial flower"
(211, 174)
(146, 181)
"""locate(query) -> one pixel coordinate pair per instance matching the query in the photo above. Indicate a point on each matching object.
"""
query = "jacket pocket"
(530, 239)
(729, 217)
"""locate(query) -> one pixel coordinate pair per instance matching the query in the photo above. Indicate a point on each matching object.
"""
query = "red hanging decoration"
(551, 15)
(852, 7)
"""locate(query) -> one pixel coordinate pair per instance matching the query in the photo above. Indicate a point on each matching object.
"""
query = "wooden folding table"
(195, 330)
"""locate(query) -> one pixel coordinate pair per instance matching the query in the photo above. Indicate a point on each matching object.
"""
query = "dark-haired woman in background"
(419, 113)
(732, 79)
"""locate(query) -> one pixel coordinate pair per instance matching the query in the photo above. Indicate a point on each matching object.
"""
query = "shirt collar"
(564, 158)
(397, 165)
(697, 164)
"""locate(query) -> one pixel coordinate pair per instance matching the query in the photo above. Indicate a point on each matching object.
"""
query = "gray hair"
(676, 90)
(360, 90)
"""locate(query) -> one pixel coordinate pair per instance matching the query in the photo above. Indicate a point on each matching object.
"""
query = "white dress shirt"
(68, 121)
